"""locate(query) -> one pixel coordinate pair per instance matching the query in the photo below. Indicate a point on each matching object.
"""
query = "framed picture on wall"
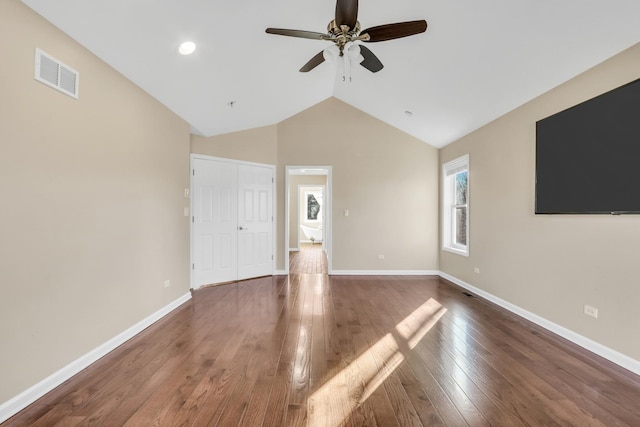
(313, 204)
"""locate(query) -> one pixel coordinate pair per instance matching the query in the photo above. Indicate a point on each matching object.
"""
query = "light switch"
(346, 212)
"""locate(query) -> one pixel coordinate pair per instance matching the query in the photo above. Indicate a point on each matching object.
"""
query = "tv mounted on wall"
(588, 156)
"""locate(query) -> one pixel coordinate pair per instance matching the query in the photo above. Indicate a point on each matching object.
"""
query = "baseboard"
(27, 397)
(294, 249)
(584, 342)
(384, 273)
(280, 273)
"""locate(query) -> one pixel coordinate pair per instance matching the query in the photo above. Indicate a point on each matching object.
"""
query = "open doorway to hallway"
(310, 259)
(308, 219)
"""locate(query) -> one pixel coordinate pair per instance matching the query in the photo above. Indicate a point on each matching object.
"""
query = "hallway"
(311, 259)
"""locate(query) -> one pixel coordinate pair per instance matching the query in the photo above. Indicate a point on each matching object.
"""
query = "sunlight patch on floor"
(354, 384)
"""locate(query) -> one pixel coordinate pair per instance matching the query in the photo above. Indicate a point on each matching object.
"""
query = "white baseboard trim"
(584, 342)
(27, 397)
(294, 249)
(280, 273)
(384, 273)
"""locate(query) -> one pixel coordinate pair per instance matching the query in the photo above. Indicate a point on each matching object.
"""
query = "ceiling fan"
(345, 28)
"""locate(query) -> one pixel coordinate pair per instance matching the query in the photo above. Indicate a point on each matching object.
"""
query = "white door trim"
(328, 223)
(192, 157)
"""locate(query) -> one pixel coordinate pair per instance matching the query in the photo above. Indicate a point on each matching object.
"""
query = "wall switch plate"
(380, 256)
(591, 311)
(186, 211)
(187, 193)
(167, 283)
(476, 270)
(346, 212)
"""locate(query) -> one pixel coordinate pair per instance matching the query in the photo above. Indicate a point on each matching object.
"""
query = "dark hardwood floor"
(314, 350)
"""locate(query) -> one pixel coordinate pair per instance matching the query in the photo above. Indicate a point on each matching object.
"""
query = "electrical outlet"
(187, 193)
(591, 311)
(476, 270)
(380, 256)
(186, 212)
(167, 283)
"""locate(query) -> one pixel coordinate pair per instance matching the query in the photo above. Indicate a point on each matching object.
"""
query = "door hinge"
(271, 257)
(272, 181)
(193, 219)
(193, 266)
(193, 171)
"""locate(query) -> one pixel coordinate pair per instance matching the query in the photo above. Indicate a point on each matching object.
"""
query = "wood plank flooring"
(314, 350)
(309, 260)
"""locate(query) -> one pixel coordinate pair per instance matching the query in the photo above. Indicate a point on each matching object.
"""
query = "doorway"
(310, 259)
(232, 221)
(308, 219)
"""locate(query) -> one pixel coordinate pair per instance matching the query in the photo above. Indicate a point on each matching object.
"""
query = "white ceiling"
(476, 61)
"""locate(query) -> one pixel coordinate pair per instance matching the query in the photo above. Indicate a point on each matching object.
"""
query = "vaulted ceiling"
(476, 61)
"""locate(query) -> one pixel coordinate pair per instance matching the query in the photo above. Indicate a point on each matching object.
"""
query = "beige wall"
(550, 265)
(295, 202)
(92, 192)
(387, 180)
(259, 145)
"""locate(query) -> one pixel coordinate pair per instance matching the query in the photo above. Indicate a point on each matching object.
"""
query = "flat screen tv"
(588, 156)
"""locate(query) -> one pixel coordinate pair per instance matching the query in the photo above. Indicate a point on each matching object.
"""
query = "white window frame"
(449, 172)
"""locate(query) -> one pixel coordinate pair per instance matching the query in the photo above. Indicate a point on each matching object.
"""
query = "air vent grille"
(68, 79)
(55, 74)
(48, 70)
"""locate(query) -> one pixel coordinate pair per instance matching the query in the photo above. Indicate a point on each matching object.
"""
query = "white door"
(215, 222)
(232, 221)
(255, 221)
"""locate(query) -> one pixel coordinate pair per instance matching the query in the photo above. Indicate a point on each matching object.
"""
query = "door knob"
(243, 228)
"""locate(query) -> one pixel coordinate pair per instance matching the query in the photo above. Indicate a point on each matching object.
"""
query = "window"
(455, 202)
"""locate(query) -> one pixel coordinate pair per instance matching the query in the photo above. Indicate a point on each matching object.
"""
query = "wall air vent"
(55, 74)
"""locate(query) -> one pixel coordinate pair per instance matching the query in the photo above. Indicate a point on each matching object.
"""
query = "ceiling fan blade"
(313, 63)
(298, 33)
(370, 62)
(395, 31)
(347, 13)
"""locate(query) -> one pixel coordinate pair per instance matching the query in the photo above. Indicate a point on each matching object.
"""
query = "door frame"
(274, 199)
(328, 220)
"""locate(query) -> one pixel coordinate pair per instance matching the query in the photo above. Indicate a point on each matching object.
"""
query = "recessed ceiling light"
(187, 48)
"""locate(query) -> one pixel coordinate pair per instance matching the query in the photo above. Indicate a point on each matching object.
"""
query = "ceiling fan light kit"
(331, 53)
(345, 30)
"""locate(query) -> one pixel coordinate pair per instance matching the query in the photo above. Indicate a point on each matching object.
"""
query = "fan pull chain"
(346, 68)
(352, 55)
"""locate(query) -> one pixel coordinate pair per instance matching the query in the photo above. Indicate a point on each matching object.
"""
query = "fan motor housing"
(335, 30)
